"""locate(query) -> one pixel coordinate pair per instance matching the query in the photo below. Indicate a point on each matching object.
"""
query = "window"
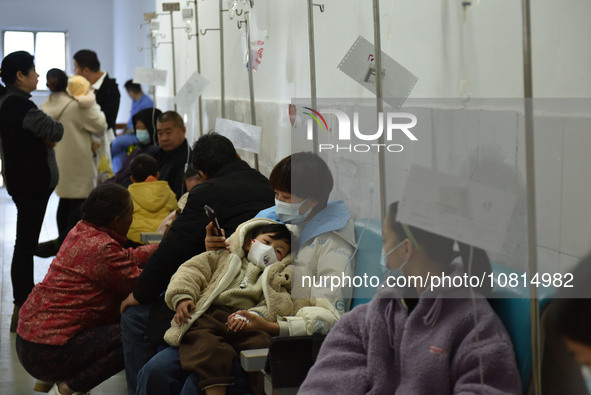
(49, 49)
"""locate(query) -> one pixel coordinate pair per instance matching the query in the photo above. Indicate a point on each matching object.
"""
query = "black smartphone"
(212, 218)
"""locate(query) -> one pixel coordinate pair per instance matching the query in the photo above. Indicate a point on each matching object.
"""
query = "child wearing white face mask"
(225, 300)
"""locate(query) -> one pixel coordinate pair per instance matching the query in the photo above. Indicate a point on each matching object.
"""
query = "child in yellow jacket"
(152, 199)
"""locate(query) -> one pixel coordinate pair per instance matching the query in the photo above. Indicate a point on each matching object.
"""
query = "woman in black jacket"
(27, 138)
(144, 127)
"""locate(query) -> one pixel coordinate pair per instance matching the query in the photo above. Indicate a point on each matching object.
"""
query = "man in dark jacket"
(173, 152)
(86, 64)
(236, 192)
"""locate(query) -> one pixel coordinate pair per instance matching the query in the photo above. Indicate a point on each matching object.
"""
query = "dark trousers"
(30, 213)
(84, 362)
(69, 212)
(209, 348)
(137, 348)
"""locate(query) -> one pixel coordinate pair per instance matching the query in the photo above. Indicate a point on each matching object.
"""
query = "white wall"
(89, 24)
(109, 27)
(478, 57)
(127, 39)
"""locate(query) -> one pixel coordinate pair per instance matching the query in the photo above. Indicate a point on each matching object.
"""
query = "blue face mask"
(143, 136)
(289, 213)
(384, 263)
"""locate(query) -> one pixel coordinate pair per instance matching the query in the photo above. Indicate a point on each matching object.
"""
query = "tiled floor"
(14, 380)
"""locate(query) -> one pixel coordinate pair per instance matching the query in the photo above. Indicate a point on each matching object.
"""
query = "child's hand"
(213, 242)
(183, 311)
(244, 320)
(95, 146)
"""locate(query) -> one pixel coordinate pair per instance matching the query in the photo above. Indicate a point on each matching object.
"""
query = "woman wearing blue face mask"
(143, 143)
(413, 340)
(324, 243)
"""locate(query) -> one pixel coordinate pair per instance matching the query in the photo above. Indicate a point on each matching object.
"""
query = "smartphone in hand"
(212, 218)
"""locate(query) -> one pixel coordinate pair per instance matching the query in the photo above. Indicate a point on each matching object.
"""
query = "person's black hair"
(133, 87)
(212, 152)
(172, 116)
(569, 309)
(280, 178)
(571, 319)
(13, 63)
(87, 58)
(149, 117)
(191, 172)
(143, 166)
(57, 80)
(440, 248)
(275, 232)
(106, 202)
(308, 178)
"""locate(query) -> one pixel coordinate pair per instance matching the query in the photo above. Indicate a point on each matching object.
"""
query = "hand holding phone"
(212, 218)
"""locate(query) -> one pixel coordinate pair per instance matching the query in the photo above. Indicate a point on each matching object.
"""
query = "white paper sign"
(359, 64)
(147, 76)
(244, 136)
(456, 208)
(191, 90)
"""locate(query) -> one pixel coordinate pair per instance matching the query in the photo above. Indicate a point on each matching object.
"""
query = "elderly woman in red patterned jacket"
(68, 330)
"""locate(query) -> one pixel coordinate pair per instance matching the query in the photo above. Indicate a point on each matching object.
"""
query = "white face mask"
(289, 213)
(143, 136)
(261, 254)
(384, 263)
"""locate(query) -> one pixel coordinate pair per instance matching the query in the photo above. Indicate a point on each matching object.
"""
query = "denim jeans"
(137, 349)
(163, 375)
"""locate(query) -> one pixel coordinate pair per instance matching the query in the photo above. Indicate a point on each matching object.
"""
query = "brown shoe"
(14, 319)
(43, 386)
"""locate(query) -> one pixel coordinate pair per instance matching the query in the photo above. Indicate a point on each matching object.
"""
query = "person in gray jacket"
(29, 167)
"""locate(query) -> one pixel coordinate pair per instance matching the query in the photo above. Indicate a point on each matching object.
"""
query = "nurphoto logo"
(397, 124)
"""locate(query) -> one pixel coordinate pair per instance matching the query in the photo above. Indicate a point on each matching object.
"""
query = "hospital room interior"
(438, 237)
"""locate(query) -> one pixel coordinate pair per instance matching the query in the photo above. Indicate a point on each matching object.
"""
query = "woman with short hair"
(27, 137)
(68, 329)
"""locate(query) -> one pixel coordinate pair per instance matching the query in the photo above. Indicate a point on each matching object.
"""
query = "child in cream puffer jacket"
(214, 293)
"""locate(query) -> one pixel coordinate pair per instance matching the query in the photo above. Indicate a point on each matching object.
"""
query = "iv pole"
(314, 101)
(379, 101)
(531, 198)
(253, 118)
(148, 16)
(222, 79)
(198, 52)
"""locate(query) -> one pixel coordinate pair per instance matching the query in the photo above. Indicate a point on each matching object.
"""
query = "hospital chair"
(286, 363)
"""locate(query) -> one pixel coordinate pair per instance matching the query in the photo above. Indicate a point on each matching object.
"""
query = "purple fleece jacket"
(379, 348)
